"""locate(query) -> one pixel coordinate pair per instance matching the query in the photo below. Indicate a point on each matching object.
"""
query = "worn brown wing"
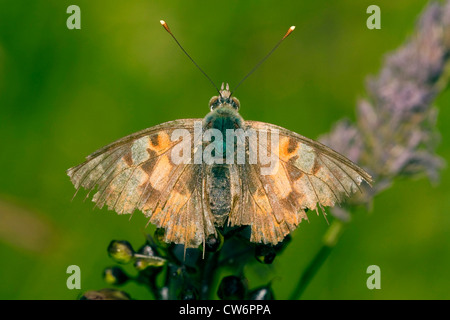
(137, 173)
(309, 176)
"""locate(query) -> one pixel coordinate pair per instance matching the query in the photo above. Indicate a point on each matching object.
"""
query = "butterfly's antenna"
(264, 59)
(164, 24)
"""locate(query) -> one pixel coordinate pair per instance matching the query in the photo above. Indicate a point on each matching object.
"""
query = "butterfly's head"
(225, 99)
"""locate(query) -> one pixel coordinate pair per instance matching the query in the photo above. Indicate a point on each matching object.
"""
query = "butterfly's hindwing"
(137, 173)
(309, 175)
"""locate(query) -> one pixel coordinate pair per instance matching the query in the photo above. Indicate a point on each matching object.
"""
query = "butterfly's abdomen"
(219, 178)
(219, 191)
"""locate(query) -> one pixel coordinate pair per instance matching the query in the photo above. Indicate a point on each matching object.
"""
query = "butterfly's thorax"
(219, 182)
(223, 118)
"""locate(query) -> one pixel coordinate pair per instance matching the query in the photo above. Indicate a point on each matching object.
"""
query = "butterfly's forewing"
(309, 175)
(137, 172)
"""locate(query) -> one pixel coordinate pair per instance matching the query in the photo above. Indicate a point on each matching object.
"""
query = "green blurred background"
(65, 93)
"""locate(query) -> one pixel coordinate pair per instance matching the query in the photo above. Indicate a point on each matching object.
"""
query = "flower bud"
(189, 293)
(105, 294)
(261, 293)
(142, 262)
(214, 243)
(121, 251)
(232, 288)
(147, 256)
(115, 276)
(148, 250)
(158, 236)
(265, 253)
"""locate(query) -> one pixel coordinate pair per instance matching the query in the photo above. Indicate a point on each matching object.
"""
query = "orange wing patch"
(287, 149)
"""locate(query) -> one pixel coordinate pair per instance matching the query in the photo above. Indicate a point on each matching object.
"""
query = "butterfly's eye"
(235, 103)
(213, 103)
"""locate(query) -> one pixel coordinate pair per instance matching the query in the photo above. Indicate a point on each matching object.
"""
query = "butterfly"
(190, 199)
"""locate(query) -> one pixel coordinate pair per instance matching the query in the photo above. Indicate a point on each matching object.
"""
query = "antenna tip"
(164, 24)
(289, 32)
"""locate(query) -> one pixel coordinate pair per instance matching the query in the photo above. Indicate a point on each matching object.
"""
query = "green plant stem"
(329, 241)
(208, 272)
